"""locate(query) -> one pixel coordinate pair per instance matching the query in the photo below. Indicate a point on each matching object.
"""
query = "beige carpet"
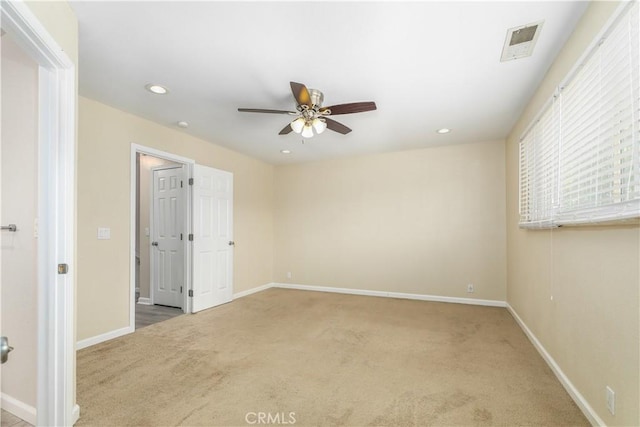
(324, 359)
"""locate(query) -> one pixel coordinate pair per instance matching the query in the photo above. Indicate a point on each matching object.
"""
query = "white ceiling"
(427, 65)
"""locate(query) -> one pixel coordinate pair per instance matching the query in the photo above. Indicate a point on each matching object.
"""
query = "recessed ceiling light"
(157, 89)
(443, 131)
(285, 151)
(183, 124)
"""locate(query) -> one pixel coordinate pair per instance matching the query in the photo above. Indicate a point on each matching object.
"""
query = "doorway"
(161, 230)
(207, 233)
(37, 280)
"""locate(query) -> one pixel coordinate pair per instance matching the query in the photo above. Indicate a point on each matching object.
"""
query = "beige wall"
(19, 206)
(104, 153)
(591, 327)
(425, 221)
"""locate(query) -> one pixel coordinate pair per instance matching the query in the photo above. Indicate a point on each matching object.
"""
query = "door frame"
(185, 223)
(56, 212)
(188, 173)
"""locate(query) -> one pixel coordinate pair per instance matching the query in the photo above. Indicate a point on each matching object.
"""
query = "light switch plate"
(104, 233)
(611, 400)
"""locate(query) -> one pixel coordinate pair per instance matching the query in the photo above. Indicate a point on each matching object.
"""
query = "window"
(580, 159)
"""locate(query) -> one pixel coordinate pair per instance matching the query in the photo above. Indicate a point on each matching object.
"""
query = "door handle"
(10, 227)
(5, 349)
(154, 243)
(232, 243)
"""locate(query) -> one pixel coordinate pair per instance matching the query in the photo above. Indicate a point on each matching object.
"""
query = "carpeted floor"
(323, 359)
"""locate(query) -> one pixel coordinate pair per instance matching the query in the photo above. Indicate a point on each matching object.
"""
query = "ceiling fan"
(311, 115)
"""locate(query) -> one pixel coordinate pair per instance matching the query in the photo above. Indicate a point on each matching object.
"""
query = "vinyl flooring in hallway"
(9, 420)
(149, 314)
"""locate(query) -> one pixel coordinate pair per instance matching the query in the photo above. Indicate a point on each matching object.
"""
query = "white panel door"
(213, 237)
(167, 248)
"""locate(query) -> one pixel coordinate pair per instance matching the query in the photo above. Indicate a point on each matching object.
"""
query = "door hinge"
(180, 289)
(180, 236)
(191, 293)
(180, 184)
(190, 237)
(63, 268)
(190, 181)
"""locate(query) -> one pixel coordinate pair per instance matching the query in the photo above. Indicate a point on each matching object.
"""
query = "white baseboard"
(104, 337)
(578, 398)
(18, 408)
(75, 414)
(421, 297)
(144, 301)
(252, 291)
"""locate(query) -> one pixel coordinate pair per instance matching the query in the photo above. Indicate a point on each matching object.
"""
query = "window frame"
(544, 207)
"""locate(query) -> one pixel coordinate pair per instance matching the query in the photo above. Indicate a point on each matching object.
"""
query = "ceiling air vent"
(520, 41)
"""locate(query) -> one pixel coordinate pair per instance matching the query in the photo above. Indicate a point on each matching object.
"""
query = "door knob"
(232, 243)
(154, 243)
(5, 349)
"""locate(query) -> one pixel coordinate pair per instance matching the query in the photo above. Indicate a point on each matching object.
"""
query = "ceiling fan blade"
(336, 126)
(285, 130)
(300, 93)
(261, 110)
(354, 107)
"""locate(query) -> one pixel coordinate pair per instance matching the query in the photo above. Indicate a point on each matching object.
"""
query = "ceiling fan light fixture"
(307, 131)
(298, 124)
(319, 125)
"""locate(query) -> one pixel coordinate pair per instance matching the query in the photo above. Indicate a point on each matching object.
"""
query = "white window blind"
(580, 161)
(539, 170)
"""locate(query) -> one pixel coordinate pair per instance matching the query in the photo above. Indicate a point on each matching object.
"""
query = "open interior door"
(167, 251)
(212, 237)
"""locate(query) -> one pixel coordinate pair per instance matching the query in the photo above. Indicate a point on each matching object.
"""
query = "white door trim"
(188, 172)
(56, 212)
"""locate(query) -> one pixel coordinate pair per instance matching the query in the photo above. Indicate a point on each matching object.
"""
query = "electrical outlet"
(611, 400)
(288, 275)
(470, 288)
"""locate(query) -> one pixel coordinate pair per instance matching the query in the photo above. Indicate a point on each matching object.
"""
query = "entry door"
(213, 237)
(19, 186)
(167, 246)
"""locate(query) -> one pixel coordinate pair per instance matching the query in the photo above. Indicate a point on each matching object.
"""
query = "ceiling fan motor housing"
(316, 97)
